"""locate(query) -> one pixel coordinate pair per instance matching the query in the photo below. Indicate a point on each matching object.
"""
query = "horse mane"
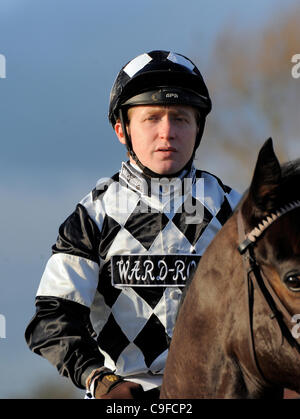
(288, 189)
(290, 169)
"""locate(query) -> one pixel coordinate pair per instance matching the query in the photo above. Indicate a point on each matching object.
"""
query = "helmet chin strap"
(146, 171)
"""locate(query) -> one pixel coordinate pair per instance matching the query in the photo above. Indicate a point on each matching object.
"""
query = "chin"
(168, 169)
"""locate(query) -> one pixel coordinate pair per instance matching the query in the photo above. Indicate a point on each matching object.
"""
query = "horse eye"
(293, 282)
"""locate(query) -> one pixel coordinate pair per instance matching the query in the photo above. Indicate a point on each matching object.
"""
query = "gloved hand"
(114, 387)
(107, 385)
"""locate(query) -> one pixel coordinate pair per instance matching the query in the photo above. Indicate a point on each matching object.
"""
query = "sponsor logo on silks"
(152, 270)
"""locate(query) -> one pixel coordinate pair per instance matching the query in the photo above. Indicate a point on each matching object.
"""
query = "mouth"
(166, 149)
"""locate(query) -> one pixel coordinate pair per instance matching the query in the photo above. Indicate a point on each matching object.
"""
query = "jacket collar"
(131, 176)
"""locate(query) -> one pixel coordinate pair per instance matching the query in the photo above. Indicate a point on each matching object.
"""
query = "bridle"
(255, 278)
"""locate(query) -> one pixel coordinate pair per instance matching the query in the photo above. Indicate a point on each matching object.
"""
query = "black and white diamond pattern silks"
(121, 259)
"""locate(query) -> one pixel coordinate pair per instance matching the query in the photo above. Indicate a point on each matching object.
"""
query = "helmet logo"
(157, 96)
(172, 95)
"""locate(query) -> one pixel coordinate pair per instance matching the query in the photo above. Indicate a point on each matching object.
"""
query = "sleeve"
(61, 330)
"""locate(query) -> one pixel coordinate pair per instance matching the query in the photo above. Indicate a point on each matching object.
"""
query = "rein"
(255, 278)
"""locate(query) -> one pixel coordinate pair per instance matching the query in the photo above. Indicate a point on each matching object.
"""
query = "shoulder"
(93, 202)
(213, 180)
(103, 185)
(98, 192)
(217, 190)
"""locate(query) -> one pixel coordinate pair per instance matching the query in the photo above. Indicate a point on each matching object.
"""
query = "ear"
(263, 191)
(119, 132)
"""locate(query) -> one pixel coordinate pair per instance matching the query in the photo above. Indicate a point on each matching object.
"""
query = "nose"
(166, 128)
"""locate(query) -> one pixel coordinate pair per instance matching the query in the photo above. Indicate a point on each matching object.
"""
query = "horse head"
(271, 216)
(236, 334)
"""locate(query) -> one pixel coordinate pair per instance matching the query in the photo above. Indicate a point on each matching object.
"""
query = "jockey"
(108, 298)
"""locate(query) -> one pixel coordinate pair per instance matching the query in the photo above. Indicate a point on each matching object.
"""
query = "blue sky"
(62, 57)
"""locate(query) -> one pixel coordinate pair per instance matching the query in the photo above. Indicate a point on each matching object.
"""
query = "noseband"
(255, 278)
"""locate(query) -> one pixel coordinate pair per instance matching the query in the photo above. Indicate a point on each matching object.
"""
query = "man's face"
(163, 138)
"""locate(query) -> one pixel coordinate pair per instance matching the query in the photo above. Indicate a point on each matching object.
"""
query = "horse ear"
(265, 181)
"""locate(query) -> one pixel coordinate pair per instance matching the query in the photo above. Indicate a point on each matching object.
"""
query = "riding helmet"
(158, 78)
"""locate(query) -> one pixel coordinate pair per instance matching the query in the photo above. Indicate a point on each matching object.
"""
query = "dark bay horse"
(236, 334)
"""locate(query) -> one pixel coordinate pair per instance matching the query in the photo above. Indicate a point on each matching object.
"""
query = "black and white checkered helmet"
(161, 78)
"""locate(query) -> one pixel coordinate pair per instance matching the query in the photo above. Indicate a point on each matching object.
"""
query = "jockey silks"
(110, 291)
